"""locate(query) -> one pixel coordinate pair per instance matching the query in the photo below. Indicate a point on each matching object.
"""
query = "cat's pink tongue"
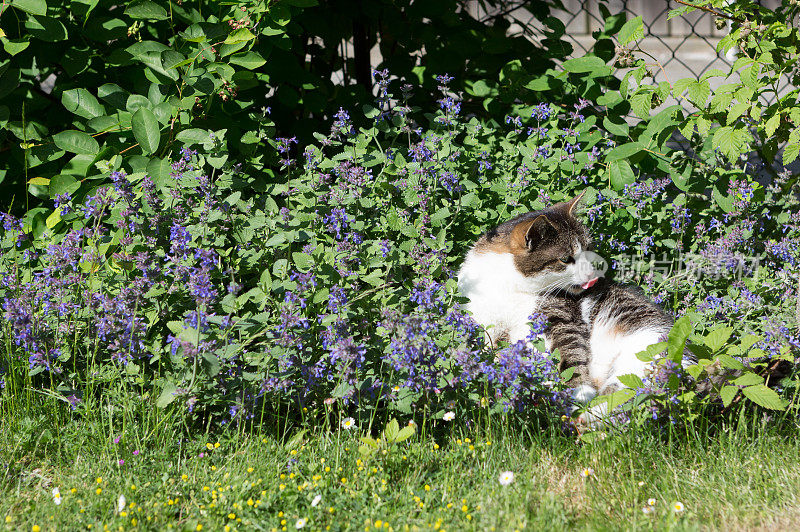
(588, 284)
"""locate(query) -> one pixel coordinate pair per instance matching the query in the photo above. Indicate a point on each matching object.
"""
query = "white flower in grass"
(647, 510)
(348, 423)
(449, 416)
(587, 472)
(121, 502)
(651, 502)
(677, 507)
(506, 478)
(316, 501)
(56, 496)
(301, 523)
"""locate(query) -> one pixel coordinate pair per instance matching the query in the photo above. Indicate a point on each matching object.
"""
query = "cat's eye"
(567, 260)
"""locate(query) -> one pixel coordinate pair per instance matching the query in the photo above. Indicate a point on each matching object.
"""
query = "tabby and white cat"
(540, 262)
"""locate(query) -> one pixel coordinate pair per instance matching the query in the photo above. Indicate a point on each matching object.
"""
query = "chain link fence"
(685, 46)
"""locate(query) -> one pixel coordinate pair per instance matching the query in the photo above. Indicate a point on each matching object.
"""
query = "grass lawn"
(725, 477)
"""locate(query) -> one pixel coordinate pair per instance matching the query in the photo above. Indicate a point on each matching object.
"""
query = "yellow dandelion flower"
(249, 469)
(216, 445)
(98, 491)
(198, 527)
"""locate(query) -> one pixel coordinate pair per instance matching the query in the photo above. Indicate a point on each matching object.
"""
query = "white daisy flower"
(651, 502)
(449, 416)
(316, 501)
(56, 496)
(506, 478)
(348, 423)
(648, 510)
(121, 503)
(301, 523)
(677, 507)
(587, 472)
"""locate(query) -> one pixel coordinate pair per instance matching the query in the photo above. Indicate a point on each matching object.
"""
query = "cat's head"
(550, 249)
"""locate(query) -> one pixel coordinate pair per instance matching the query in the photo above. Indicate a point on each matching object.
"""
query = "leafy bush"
(318, 281)
(86, 80)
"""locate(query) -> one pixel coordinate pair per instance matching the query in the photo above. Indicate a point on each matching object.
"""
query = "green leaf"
(676, 340)
(295, 441)
(193, 136)
(616, 126)
(391, 430)
(303, 261)
(76, 142)
(748, 379)
(167, 395)
(729, 362)
(146, 130)
(405, 433)
(641, 103)
(34, 7)
(82, 103)
(620, 174)
(146, 10)
(159, 170)
(717, 338)
(772, 125)
(13, 47)
(632, 30)
(731, 141)
(248, 60)
(624, 151)
(727, 394)
(790, 153)
(240, 35)
(63, 184)
(171, 59)
(47, 29)
(41, 181)
(584, 64)
(53, 219)
(631, 381)
(699, 92)
(211, 364)
(724, 201)
(764, 396)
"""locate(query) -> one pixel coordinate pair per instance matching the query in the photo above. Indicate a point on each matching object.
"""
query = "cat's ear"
(530, 233)
(574, 204)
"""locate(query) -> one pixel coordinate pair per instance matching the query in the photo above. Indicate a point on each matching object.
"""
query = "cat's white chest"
(501, 299)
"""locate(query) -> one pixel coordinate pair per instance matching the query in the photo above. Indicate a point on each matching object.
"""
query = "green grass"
(727, 477)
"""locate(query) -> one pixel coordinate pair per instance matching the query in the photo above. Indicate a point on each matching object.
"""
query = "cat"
(541, 262)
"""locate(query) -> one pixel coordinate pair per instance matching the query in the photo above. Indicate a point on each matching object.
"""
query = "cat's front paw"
(583, 394)
(594, 418)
